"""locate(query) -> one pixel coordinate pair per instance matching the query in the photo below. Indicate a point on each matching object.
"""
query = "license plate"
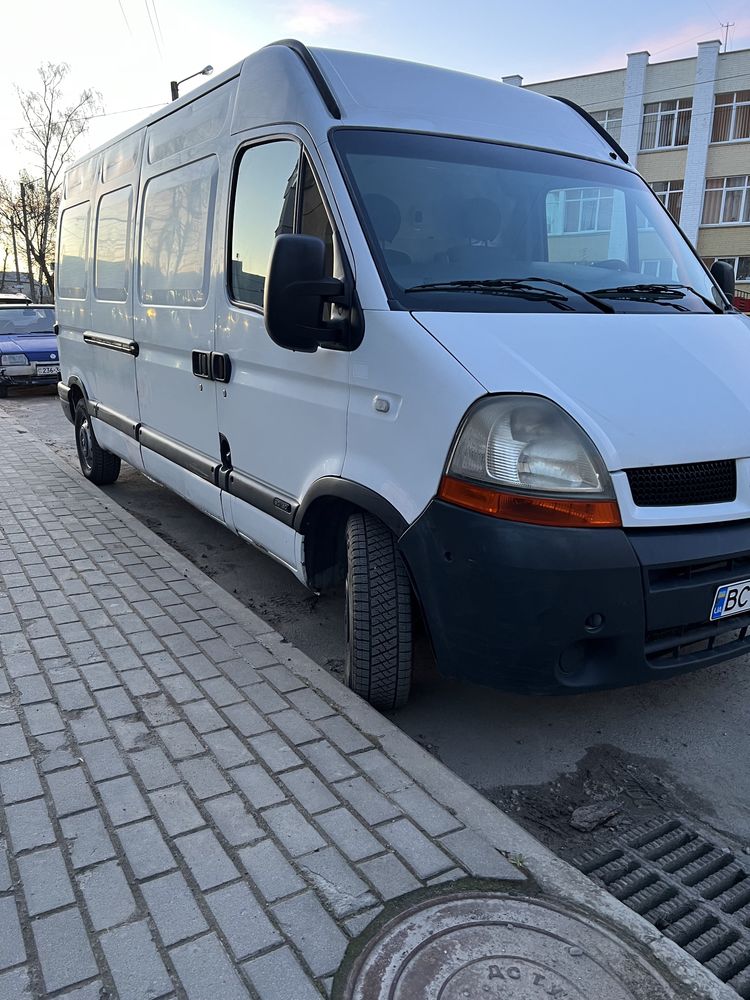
(731, 599)
(48, 369)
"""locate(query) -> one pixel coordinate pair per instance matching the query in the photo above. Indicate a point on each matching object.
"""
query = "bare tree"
(29, 206)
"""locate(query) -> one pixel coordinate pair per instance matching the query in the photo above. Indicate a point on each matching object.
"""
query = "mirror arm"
(329, 289)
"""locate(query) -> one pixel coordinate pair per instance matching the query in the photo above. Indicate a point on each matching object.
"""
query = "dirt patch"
(621, 790)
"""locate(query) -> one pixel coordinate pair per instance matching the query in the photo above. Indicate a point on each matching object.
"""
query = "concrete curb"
(554, 876)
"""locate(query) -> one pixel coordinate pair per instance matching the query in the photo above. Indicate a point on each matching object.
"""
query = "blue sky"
(110, 44)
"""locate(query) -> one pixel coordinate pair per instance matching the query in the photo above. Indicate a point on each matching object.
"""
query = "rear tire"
(378, 656)
(98, 466)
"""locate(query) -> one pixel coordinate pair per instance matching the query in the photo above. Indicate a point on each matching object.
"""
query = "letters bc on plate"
(731, 599)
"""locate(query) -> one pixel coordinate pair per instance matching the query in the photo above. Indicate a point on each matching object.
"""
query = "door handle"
(221, 367)
(202, 364)
(213, 366)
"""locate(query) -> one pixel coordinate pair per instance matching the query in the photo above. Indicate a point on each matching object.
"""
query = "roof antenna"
(726, 27)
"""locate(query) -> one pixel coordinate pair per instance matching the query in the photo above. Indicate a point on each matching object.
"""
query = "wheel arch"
(321, 520)
(76, 391)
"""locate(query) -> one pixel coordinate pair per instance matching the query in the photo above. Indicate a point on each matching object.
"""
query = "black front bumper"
(21, 381)
(539, 609)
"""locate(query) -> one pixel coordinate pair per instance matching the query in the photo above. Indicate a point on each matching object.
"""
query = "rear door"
(111, 378)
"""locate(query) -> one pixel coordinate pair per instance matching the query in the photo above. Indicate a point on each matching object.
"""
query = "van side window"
(265, 194)
(175, 255)
(112, 246)
(72, 268)
(314, 219)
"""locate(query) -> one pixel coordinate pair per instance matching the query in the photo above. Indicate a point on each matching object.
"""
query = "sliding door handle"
(221, 367)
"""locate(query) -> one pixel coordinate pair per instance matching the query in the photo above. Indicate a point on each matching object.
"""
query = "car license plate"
(731, 599)
(48, 369)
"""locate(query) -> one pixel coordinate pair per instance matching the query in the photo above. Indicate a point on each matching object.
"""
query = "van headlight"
(522, 458)
(13, 359)
(528, 443)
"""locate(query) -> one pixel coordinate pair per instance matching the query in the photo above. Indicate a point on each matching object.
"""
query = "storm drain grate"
(695, 891)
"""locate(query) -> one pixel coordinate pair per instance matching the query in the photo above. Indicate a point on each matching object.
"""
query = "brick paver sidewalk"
(182, 815)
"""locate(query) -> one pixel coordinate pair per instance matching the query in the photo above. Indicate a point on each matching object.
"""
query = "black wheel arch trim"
(334, 487)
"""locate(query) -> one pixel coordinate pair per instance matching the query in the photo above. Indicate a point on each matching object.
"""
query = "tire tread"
(380, 639)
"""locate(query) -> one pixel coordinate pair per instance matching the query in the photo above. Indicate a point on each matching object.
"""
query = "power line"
(125, 18)
(605, 105)
(158, 23)
(153, 31)
(103, 114)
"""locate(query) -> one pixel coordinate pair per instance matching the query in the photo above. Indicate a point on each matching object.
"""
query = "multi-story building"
(686, 125)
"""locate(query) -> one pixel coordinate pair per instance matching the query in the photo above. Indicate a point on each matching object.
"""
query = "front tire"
(378, 656)
(98, 466)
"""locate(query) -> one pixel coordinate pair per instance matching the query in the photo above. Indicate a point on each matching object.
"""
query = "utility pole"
(32, 290)
(726, 27)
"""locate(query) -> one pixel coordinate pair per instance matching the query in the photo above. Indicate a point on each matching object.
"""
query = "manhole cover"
(497, 947)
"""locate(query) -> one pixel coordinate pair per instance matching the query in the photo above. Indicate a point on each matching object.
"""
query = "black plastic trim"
(120, 344)
(597, 126)
(314, 70)
(193, 461)
(356, 494)
(117, 420)
(260, 496)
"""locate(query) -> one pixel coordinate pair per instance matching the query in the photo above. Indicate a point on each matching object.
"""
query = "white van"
(431, 335)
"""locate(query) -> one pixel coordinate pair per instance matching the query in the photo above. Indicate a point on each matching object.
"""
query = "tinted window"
(264, 205)
(112, 252)
(314, 218)
(175, 235)
(73, 252)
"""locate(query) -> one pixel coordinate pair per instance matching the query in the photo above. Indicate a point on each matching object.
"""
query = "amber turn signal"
(548, 511)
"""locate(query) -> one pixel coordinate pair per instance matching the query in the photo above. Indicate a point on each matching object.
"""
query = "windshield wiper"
(512, 286)
(655, 292)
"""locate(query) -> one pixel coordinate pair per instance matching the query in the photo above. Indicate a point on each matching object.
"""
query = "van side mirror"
(296, 289)
(723, 275)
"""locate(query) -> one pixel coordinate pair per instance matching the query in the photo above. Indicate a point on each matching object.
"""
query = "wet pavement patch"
(499, 947)
(688, 884)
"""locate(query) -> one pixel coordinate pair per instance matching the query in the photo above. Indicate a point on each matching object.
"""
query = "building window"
(579, 210)
(669, 194)
(611, 119)
(666, 123)
(727, 201)
(731, 116)
(741, 266)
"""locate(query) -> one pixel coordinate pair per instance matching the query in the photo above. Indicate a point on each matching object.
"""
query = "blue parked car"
(28, 346)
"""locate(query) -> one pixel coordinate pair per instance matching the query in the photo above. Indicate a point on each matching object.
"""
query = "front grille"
(693, 644)
(682, 485)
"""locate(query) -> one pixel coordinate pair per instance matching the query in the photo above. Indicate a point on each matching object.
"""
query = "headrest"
(385, 216)
(480, 219)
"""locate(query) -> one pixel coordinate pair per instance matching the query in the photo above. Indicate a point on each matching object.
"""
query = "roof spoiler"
(314, 70)
(597, 126)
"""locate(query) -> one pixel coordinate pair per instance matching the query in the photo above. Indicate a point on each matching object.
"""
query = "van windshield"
(465, 225)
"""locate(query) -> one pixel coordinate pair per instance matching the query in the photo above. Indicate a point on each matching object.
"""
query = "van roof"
(318, 88)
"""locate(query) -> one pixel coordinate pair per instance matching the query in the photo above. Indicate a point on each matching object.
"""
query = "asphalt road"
(680, 745)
